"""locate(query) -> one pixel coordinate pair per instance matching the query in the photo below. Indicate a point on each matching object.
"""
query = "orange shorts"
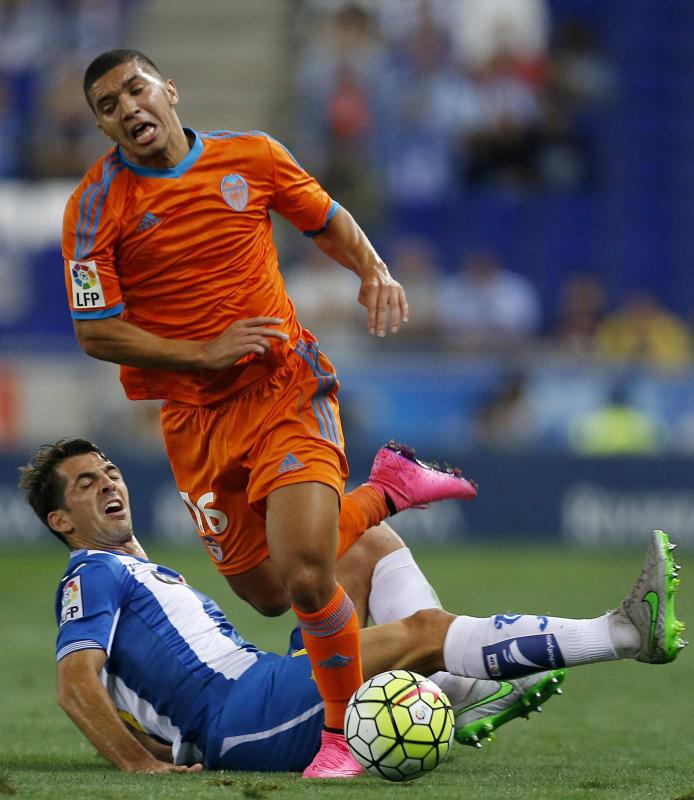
(227, 458)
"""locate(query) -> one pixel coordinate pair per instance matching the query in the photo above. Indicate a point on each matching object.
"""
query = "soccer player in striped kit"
(137, 645)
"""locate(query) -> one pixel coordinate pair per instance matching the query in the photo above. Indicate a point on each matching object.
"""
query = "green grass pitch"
(620, 730)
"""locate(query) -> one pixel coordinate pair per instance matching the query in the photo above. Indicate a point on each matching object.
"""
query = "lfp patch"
(235, 191)
(86, 285)
(72, 600)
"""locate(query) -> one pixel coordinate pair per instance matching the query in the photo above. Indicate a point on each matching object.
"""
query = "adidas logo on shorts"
(289, 463)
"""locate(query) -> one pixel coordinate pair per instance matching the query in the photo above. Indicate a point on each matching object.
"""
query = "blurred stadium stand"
(593, 215)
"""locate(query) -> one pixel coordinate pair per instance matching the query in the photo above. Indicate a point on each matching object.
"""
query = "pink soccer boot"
(333, 760)
(408, 482)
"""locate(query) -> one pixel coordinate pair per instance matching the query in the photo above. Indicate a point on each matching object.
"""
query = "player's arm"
(159, 750)
(114, 339)
(85, 700)
(345, 242)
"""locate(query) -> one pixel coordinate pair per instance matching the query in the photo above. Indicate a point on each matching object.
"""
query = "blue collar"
(173, 172)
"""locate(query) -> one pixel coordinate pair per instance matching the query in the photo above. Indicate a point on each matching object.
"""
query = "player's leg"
(398, 480)
(395, 473)
(383, 578)
(643, 627)
(279, 727)
(302, 521)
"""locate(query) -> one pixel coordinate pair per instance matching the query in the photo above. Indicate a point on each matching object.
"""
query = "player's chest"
(218, 208)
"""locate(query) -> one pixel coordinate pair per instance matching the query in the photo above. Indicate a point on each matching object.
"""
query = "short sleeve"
(89, 236)
(298, 196)
(88, 604)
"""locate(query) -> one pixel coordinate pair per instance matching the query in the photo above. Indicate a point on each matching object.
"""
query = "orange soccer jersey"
(185, 252)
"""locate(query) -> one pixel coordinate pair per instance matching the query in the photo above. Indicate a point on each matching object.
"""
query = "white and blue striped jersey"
(172, 656)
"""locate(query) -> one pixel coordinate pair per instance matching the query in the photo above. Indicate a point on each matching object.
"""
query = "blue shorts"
(272, 719)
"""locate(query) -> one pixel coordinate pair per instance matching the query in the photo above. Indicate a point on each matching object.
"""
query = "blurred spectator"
(417, 96)
(336, 114)
(581, 309)
(485, 306)
(502, 144)
(68, 141)
(642, 330)
(485, 29)
(581, 81)
(27, 43)
(581, 77)
(10, 129)
(504, 420)
(619, 428)
(15, 284)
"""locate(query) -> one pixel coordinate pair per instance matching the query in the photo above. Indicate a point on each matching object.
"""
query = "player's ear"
(107, 135)
(59, 520)
(172, 92)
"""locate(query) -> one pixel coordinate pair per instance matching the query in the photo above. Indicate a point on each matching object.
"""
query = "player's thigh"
(271, 720)
(262, 588)
(300, 440)
(212, 482)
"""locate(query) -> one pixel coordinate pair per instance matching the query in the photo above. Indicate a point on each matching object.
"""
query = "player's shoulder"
(238, 137)
(97, 564)
(242, 142)
(98, 178)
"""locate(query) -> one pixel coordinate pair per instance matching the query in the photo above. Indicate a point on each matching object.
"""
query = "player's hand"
(380, 294)
(241, 339)
(156, 767)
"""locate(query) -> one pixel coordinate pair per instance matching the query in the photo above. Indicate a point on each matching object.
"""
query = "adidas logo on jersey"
(289, 463)
(147, 222)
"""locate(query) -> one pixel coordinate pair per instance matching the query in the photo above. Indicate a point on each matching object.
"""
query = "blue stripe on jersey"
(333, 208)
(174, 172)
(326, 382)
(284, 147)
(223, 134)
(110, 166)
(105, 312)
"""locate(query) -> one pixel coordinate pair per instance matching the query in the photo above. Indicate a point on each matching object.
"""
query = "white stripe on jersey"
(235, 741)
(125, 699)
(116, 617)
(85, 644)
(199, 631)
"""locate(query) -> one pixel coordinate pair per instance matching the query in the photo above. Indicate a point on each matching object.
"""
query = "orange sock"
(331, 639)
(360, 510)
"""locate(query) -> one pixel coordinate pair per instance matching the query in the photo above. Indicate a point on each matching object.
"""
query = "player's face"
(96, 504)
(135, 109)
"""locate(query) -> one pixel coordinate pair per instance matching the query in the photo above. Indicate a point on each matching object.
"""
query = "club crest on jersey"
(235, 191)
(215, 550)
(71, 603)
(86, 285)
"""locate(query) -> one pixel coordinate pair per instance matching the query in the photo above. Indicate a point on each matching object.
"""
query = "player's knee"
(271, 599)
(428, 628)
(311, 587)
(271, 606)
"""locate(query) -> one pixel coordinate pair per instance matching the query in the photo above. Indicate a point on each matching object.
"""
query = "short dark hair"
(110, 59)
(44, 487)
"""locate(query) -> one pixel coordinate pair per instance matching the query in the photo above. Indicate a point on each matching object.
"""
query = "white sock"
(399, 588)
(509, 646)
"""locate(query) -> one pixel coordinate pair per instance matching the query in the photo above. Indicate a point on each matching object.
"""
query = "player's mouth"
(144, 133)
(116, 508)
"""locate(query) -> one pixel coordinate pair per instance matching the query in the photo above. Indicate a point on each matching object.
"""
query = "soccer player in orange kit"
(172, 272)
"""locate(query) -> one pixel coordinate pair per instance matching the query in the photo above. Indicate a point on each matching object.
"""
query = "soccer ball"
(399, 725)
